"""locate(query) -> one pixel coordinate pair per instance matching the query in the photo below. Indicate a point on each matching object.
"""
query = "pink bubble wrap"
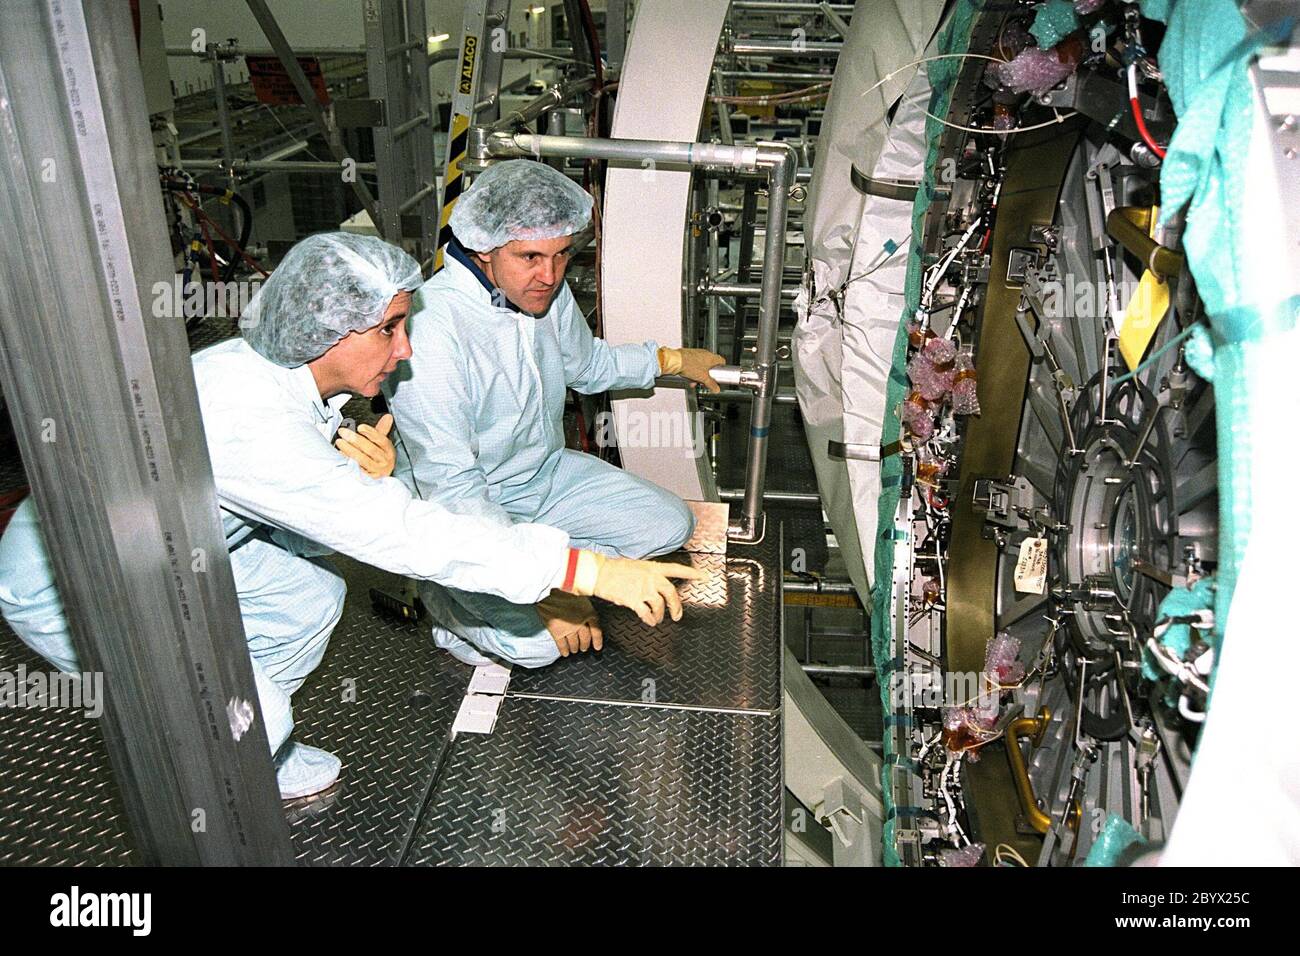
(1004, 121)
(965, 394)
(981, 718)
(965, 400)
(933, 384)
(918, 419)
(940, 352)
(1001, 659)
(1033, 70)
(967, 728)
(965, 857)
(1085, 7)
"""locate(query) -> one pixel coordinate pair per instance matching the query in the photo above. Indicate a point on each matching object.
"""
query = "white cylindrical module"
(644, 221)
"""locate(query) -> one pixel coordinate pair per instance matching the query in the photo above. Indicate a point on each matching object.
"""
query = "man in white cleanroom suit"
(329, 323)
(497, 338)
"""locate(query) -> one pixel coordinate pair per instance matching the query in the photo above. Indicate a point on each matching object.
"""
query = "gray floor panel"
(724, 653)
(565, 783)
(59, 804)
(383, 701)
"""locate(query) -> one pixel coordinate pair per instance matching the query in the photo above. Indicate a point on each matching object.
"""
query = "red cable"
(1143, 131)
(1137, 113)
(212, 253)
(225, 235)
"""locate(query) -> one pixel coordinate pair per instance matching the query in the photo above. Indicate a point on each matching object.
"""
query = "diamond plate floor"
(383, 702)
(564, 783)
(59, 805)
(603, 782)
(723, 654)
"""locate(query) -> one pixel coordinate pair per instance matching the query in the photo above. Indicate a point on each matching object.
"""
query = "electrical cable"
(228, 196)
(1136, 106)
(226, 236)
(815, 91)
(989, 131)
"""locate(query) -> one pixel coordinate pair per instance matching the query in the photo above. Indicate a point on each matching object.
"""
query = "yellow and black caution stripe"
(454, 183)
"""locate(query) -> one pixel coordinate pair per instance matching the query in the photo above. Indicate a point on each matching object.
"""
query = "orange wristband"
(571, 570)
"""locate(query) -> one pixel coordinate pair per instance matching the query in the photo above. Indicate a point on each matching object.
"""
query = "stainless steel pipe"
(555, 96)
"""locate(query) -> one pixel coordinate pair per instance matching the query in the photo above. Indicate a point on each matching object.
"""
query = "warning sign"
(1031, 568)
(272, 85)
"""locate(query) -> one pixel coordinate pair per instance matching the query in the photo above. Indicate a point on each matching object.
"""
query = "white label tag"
(1031, 569)
(489, 679)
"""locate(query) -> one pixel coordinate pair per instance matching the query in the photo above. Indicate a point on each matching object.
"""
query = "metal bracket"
(883, 188)
(842, 811)
(1002, 502)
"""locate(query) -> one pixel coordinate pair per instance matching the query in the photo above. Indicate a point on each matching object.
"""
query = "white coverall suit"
(479, 410)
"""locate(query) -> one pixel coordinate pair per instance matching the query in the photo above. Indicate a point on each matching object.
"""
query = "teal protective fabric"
(1116, 836)
(1055, 20)
(942, 74)
(1180, 602)
(1204, 58)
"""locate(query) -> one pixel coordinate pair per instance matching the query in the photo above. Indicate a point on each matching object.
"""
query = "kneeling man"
(496, 339)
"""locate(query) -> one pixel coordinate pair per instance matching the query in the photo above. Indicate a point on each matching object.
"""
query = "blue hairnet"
(328, 285)
(519, 199)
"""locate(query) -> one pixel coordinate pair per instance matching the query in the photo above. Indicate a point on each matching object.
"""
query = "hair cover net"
(519, 199)
(328, 285)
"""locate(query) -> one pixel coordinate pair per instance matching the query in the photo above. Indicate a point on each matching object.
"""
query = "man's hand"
(691, 363)
(645, 587)
(571, 621)
(369, 447)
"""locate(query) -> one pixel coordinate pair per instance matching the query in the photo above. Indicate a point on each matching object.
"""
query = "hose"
(245, 220)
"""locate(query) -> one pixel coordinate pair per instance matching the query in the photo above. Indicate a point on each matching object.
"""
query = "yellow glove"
(691, 363)
(370, 449)
(571, 621)
(643, 586)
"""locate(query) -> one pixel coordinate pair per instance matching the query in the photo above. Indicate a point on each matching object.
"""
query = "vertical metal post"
(398, 72)
(223, 109)
(724, 113)
(421, 139)
(744, 258)
(386, 85)
(714, 266)
(692, 277)
(106, 412)
(784, 163)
